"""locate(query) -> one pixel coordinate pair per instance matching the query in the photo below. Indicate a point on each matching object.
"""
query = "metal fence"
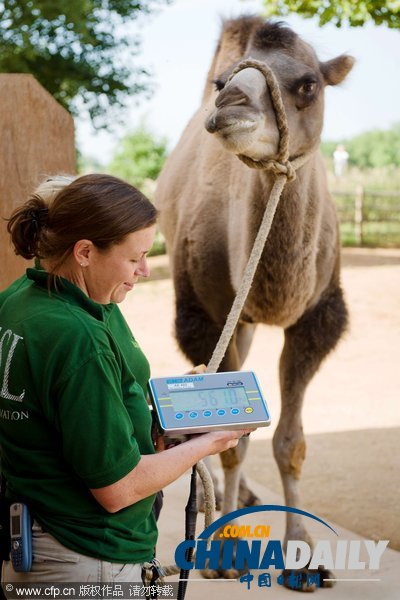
(368, 218)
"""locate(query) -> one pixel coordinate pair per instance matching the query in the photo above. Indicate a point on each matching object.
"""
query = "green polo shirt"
(73, 416)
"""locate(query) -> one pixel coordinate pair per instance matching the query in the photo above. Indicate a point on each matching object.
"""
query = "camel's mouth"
(241, 136)
(242, 133)
(231, 120)
(237, 127)
(234, 134)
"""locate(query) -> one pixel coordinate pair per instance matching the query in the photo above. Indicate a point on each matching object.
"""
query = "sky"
(178, 43)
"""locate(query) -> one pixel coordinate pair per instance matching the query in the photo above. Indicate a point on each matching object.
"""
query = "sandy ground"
(351, 416)
(350, 584)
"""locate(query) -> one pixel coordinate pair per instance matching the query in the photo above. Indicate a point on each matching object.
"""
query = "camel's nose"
(227, 102)
(232, 95)
(211, 123)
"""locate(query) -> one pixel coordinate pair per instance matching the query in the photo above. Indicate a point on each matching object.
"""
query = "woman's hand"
(219, 441)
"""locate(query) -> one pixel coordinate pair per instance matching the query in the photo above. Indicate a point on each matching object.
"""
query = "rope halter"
(282, 165)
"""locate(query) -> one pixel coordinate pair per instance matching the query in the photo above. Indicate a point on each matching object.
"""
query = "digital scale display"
(211, 398)
(189, 404)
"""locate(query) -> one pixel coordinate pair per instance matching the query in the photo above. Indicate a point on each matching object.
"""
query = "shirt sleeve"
(96, 430)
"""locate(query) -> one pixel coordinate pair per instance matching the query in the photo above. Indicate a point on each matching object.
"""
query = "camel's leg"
(197, 336)
(246, 496)
(306, 344)
(231, 462)
(234, 358)
(244, 337)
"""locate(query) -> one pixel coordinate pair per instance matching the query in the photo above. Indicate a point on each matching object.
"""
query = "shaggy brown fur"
(211, 207)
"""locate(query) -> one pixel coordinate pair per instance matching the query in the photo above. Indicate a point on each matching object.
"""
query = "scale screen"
(212, 398)
(201, 403)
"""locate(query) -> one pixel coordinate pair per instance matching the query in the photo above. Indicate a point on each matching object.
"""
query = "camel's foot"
(306, 580)
(248, 498)
(221, 573)
(227, 573)
(325, 576)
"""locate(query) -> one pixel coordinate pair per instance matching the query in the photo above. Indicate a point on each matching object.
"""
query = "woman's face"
(111, 274)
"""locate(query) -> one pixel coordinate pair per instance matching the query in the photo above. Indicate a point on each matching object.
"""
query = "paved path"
(172, 532)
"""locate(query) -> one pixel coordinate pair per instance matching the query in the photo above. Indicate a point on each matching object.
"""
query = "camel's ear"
(335, 70)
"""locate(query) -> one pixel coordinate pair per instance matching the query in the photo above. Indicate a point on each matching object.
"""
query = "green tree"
(78, 50)
(328, 147)
(354, 12)
(378, 148)
(139, 156)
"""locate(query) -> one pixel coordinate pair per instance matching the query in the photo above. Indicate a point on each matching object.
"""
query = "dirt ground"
(352, 411)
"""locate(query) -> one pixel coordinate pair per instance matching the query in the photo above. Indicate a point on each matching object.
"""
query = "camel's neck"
(295, 224)
(297, 209)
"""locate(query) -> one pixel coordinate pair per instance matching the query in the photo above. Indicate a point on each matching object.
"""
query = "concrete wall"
(36, 140)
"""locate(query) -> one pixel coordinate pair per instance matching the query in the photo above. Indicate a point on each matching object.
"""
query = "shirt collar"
(68, 292)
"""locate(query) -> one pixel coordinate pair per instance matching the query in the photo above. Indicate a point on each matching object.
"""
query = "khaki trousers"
(53, 563)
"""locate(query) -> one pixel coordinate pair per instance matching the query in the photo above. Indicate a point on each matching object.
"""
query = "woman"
(75, 431)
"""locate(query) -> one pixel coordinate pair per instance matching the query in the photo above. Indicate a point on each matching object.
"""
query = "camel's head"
(244, 118)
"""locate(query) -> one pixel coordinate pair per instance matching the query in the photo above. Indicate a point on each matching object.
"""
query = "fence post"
(358, 215)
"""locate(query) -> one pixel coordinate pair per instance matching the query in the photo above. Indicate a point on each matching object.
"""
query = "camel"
(211, 205)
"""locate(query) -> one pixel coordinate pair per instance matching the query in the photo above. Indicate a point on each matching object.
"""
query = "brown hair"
(100, 208)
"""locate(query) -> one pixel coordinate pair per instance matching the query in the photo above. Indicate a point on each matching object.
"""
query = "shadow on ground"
(349, 477)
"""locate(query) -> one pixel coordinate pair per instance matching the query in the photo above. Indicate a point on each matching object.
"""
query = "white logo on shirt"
(4, 392)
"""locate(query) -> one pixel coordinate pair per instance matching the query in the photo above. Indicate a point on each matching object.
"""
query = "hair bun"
(39, 217)
(25, 226)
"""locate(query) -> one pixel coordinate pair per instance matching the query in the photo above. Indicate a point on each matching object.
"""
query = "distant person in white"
(340, 158)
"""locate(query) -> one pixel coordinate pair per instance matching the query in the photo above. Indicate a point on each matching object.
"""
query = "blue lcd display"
(186, 400)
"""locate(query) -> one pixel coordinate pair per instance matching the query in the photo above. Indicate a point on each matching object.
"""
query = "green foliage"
(354, 12)
(372, 149)
(328, 148)
(74, 49)
(158, 247)
(139, 157)
(376, 148)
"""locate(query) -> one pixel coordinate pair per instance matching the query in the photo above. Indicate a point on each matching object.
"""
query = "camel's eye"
(219, 84)
(308, 88)
(305, 91)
